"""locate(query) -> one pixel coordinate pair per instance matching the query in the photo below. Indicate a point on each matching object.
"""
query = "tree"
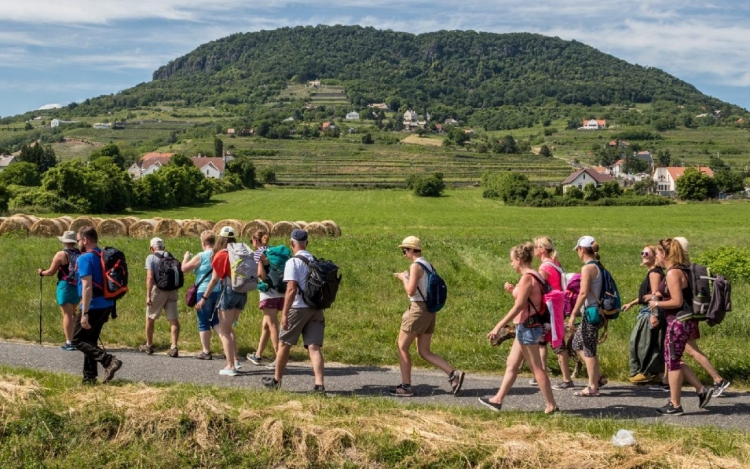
(508, 145)
(427, 186)
(268, 175)
(610, 189)
(663, 158)
(574, 193)
(717, 164)
(634, 165)
(545, 151)
(111, 150)
(727, 181)
(694, 185)
(4, 197)
(181, 160)
(644, 186)
(510, 186)
(43, 157)
(457, 136)
(591, 192)
(22, 174)
(218, 147)
(367, 139)
(244, 168)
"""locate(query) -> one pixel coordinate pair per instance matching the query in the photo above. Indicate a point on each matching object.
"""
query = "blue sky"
(57, 52)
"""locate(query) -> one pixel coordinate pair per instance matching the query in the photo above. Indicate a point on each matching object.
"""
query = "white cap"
(684, 244)
(157, 243)
(585, 242)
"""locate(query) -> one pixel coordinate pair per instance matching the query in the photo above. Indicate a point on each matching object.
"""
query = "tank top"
(592, 299)
(554, 277)
(203, 269)
(64, 270)
(422, 282)
(645, 288)
(687, 295)
(524, 315)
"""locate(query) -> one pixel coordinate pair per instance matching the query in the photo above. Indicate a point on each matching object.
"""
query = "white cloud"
(50, 106)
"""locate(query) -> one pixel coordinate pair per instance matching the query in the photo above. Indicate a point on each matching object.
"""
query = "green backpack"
(277, 257)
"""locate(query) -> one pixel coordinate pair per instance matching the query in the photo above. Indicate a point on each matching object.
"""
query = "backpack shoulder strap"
(303, 259)
(425, 267)
(159, 256)
(541, 282)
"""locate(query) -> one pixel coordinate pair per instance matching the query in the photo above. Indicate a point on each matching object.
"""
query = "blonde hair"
(593, 251)
(546, 243)
(673, 251)
(208, 237)
(523, 252)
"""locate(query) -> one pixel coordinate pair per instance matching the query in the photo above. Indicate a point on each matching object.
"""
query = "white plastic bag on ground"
(623, 438)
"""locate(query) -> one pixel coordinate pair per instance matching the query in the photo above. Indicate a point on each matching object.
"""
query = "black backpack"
(168, 275)
(114, 272)
(321, 283)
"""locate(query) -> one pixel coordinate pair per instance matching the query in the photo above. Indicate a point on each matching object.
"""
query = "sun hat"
(299, 235)
(411, 242)
(156, 243)
(69, 237)
(684, 244)
(227, 232)
(585, 242)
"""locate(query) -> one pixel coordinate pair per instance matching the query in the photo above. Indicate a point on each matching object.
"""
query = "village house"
(102, 126)
(381, 106)
(314, 83)
(593, 124)
(58, 122)
(352, 116)
(451, 121)
(211, 167)
(231, 132)
(666, 177)
(6, 160)
(584, 177)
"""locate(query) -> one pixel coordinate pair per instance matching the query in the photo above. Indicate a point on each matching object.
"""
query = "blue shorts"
(207, 317)
(232, 300)
(67, 294)
(529, 335)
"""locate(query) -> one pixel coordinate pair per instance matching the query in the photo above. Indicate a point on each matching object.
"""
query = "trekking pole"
(40, 310)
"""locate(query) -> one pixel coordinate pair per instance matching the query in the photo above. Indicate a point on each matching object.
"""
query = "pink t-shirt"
(554, 277)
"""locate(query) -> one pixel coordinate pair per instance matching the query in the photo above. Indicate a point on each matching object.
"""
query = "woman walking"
(207, 317)
(675, 291)
(529, 330)
(230, 302)
(647, 338)
(64, 266)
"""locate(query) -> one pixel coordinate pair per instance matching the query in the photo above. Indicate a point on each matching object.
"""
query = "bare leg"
(690, 377)
(532, 356)
(175, 331)
(592, 369)
(512, 364)
(423, 347)
(564, 360)
(270, 330)
(404, 342)
(282, 358)
(316, 358)
(68, 320)
(675, 385)
(543, 355)
(226, 319)
(149, 331)
(205, 340)
(694, 351)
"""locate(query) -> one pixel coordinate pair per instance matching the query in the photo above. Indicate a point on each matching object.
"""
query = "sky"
(58, 52)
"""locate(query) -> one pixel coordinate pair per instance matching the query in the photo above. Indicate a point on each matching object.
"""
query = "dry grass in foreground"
(179, 426)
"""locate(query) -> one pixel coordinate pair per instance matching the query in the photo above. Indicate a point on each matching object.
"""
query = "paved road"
(618, 400)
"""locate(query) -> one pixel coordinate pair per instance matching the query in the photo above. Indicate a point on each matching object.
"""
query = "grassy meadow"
(466, 237)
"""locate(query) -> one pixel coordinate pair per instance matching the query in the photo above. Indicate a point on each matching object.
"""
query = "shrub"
(574, 193)
(510, 186)
(731, 262)
(429, 186)
(268, 175)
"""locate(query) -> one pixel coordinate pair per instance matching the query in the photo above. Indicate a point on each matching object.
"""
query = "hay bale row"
(252, 226)
(112, 227)
(47, 228)
(195, 227)
(235, 224)
(142, 229)
(167, 228)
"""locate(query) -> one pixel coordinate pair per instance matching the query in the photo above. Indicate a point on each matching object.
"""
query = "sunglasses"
(405, 250)
(645, 254)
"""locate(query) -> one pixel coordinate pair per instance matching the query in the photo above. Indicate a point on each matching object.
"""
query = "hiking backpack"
(321, 283)
(572, 291)
(244, 268)
(711, 295)
(114, 273)
(277, 257)
(437, 290)
(72, 276)
(168, 275)
(564, 278)
(609, 296)
(553, 303)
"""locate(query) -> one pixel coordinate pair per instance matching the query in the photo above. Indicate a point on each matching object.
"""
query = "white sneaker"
(228, 372)
(237, 365)
(271, 366)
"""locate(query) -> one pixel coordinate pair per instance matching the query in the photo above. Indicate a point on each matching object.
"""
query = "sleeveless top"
(422, 282)
(645, 288)
(592, 299)
(687, 295)
(203, 269)
(524, 315)
(554, 276)
(64, 270)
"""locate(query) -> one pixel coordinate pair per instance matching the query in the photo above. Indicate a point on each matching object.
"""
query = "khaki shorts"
(417, 320)
(162, 300)
(308, 322)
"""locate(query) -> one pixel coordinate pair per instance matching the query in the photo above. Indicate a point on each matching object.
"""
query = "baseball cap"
(157, 243)
(411, 242)
(227, 232)
(299, 235)
(68, 237)
(684, 244)
(585, 242)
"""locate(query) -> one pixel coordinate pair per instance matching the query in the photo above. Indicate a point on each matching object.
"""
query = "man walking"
(163, 277)
(95, 309)
(297, 318)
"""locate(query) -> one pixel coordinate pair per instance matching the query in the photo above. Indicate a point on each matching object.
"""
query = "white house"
(666, 177)
(289, 119)
(58, 122)
(451, 121)
(211, 167)
(593, 124)
(584, 177)
(352, 116)
(6, 160)
(100, 125)
(410, 116)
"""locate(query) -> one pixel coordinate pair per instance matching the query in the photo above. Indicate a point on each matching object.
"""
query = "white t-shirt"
(296, 270)
(422, 282)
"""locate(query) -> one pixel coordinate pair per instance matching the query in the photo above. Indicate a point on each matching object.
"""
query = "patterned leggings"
(678, 334)
(586, 338)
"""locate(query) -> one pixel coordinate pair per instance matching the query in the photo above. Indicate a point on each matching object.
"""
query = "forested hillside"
(461, 70)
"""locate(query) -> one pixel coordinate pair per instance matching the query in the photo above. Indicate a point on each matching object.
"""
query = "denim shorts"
(529, 335)
(207, 317)
(232, 300)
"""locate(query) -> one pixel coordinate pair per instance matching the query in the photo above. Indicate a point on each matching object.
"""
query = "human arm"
(209, 288)
(263, 262)
(86, 294)
(291, 293)
(523, 290)
(192, 264)
(149, 285)
(411, 279)
(675, 282)
(588, 272)
(57, 261)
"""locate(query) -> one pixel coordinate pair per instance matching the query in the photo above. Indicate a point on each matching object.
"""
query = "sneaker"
(659, 387)
(271, 366)
(319, 389)
(271, 383)
(228, 372)
(532, 382)
(704, 397)
(237, 365)
(719, 388)
(402, 391)
(109, 372)
(485, 401)
(456, 382)
(256, 360)
(147, 349)
(204, 356)
(68, 347)
(173, 352)
(669, 409)
(564, 385)
(640, 378)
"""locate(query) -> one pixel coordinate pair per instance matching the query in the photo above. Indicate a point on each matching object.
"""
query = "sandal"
(587, 392)
(602, 381)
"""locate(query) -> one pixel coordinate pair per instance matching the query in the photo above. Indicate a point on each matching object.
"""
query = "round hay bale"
(269, 223)
(316, 229)
(195, 227)
(66, 221)
(2, 219)
(12, 225)
(282, 228)
(180, 222)
(47, 228)
(127, 221)
(112, 227)
(142, 229)
(81, 221)
(301, 224)
(167, 228)
(211, 224)
(236, 224)
(253, 226)
(333, 228)
(97, 220)
(26, 219)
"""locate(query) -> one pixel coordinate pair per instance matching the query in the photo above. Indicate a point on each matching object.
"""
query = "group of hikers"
(295, 288)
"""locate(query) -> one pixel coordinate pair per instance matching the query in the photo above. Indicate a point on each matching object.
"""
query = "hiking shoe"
(147, 349)
(456, 382)
(228, 372)
(254, 359)
(271, 383)
(402, 391)
(204, 356)
(319, 389)
(564, 385)
(109, 372)
(485, 401)
(659, 387)
(640, 378)
(173, 352)
(669, 409)
(271, 366)
(719, 388)
(68, 347)
(704, 396)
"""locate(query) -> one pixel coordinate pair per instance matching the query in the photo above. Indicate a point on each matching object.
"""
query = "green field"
(465, 236)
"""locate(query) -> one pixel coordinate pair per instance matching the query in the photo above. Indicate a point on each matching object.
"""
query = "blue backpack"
(437, 290)
(609, 297)
(72, 277)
